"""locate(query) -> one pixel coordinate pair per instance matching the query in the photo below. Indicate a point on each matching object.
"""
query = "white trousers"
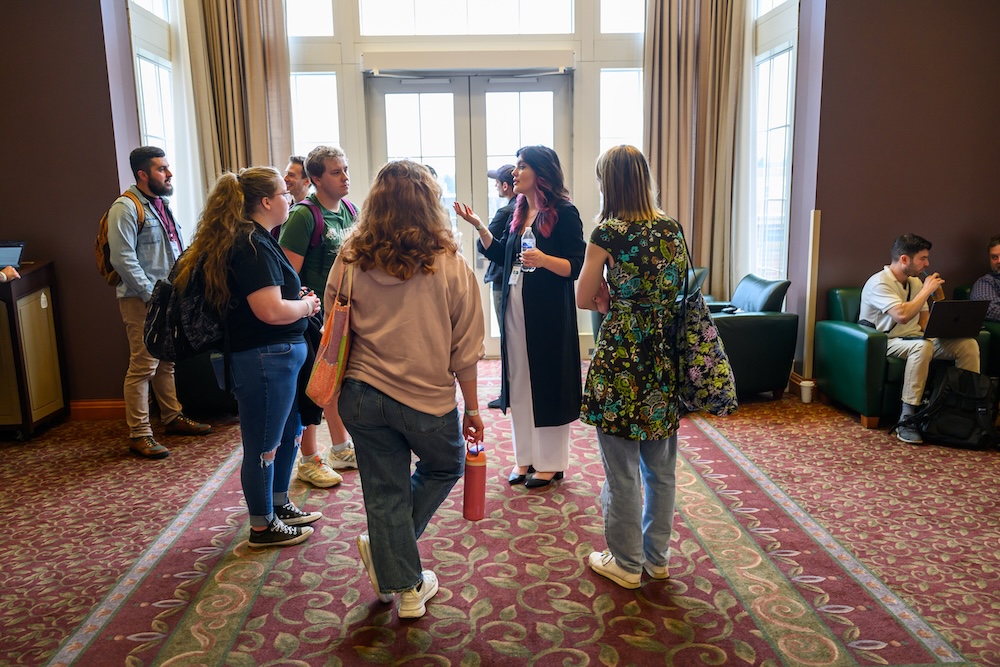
(545, 447)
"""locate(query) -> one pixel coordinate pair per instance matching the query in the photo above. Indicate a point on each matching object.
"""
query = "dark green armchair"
(759, 338)
(850, 363)
(991, 366)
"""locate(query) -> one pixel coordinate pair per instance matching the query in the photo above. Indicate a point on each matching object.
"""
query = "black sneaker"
(290, 515)
(279, 535)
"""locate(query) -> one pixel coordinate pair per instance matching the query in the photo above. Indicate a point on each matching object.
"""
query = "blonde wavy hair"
(402, 226)
(233, 199)
(627, 186)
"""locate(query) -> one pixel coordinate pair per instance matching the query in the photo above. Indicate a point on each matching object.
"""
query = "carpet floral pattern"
(798, 541)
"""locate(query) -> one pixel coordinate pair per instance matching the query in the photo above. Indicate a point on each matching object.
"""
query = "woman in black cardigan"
(540, 346)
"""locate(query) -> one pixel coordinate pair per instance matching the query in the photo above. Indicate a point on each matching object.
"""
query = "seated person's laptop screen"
(955, 319)
(10, 253)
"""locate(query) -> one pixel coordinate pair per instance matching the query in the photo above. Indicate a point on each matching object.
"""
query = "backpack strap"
(140, 210)
(318, 225)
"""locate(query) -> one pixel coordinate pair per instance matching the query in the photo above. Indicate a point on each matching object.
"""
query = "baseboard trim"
(96, 410)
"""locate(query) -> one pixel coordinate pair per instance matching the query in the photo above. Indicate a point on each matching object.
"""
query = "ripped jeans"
(264, 382)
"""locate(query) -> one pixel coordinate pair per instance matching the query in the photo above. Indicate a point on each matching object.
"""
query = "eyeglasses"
(286, 193)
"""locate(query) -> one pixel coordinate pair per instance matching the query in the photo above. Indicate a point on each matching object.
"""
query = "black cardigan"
(549, 319)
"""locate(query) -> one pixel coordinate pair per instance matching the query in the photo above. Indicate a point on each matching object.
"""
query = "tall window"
(623, 16)
(309, 18)
(513, 120)
(157, 8)
(155, 104)
(621, 107)
(315, 112)
(772, 164)
(764, 173)
(466, 17)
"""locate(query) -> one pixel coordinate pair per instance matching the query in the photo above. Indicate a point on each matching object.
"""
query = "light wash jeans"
(264, 383)
(400, 504)
(638, 531)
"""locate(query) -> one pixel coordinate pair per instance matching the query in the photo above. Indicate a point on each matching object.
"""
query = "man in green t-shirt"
(327, 169)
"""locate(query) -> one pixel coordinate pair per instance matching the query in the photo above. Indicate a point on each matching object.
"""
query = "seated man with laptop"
(895, 301)
(10, 260)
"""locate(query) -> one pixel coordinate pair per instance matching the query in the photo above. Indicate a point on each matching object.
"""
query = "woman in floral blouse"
(630, 392)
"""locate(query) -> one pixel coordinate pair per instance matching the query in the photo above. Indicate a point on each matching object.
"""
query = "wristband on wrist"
(3, 277)
(472, 413)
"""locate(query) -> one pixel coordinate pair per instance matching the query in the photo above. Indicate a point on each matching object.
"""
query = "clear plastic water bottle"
(528, 243)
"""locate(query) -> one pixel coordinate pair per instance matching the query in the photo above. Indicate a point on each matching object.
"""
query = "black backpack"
(961, 411)
(181, 325)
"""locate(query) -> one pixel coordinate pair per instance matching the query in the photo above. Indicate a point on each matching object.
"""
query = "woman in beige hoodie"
(417, 327)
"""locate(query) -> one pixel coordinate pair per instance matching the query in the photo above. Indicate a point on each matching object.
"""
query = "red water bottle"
(474, 502)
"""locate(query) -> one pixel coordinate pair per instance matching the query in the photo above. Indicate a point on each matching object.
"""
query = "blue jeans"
(264, 382)
(399, 505)
(637, 531)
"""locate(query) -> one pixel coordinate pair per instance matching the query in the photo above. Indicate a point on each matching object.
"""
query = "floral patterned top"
(631, 386)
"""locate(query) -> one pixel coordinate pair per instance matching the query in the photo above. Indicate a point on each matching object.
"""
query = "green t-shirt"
(297, 233)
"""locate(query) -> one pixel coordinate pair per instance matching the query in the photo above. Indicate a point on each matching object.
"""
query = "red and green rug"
(801, 539)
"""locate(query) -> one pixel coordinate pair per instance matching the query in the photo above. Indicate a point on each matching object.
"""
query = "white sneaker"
(656, 571)
(314, 471)
(411, 602)
(365, 549)
(604, 564)
(344, 459)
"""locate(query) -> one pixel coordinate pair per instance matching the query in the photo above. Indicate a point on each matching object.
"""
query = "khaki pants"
(918, 354)
(144, 370)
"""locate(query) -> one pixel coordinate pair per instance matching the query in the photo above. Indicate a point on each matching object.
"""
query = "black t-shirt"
(257, 262)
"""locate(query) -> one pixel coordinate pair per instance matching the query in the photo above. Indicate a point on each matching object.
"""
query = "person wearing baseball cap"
(504, 177)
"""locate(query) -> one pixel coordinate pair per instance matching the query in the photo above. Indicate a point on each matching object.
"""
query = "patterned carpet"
(801, 539)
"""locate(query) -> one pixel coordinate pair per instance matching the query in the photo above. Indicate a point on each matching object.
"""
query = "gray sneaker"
(909, 434)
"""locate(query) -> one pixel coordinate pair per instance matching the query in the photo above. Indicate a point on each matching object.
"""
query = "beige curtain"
(692, 62)
(239, 57)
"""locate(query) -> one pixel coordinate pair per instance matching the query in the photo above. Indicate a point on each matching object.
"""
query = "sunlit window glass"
(309, 18)
(315, 115)
(466, 17)
(772, 152)
(513, 120)
(621, 107)
(762, 7)
(623, 16)
(156, 7)
(155, 104)
(421, 127)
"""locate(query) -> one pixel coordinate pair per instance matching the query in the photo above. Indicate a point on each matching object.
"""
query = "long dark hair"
(551, 189)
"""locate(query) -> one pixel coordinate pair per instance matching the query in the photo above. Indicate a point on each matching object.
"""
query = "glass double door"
(462, 127)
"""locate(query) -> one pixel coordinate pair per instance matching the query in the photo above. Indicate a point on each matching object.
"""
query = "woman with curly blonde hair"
(250, 282)
(417, 327)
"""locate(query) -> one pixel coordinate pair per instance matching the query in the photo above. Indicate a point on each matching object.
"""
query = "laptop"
(956, 319)
(10, 253)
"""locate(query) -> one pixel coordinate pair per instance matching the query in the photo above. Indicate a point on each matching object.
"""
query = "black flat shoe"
(516, 478)
(537, 483)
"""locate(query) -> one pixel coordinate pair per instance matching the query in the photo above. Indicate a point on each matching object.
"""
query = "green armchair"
(759, 338)
(850, 363)
(991, 366)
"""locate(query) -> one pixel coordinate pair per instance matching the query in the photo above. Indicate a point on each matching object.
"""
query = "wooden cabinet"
(32, 382)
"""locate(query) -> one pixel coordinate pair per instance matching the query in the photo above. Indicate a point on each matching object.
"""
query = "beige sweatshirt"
(413, 338)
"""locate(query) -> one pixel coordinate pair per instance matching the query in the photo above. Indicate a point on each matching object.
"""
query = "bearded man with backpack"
(311, 239)
(142, 253)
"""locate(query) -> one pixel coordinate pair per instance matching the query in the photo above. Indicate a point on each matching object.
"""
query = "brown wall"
(60, 166)
(905, 137)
